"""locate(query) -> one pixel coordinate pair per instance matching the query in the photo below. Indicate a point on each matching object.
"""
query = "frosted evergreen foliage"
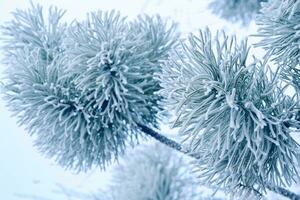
(279, 29)
(153, 172)
(81, 89)
(236, 10)
(113, 64)
(158, 34)
(231, 114)
(30, 30)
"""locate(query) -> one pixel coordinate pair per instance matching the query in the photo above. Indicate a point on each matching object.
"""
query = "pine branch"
(163, 139)
(284, 192)
(84, 82)
(178, 147)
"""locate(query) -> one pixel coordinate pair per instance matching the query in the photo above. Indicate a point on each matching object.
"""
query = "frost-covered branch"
(162, 139)
(165, 140)
(232, 114)
(284, 192)
(81, 88)
(88, 89)
(279, 32)
(249, 190)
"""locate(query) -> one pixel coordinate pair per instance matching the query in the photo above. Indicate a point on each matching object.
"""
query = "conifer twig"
(178, 147)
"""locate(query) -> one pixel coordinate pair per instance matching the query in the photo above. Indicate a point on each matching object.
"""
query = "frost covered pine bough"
(279, 29)
(231, 114)
(83, 88)
(88, 89)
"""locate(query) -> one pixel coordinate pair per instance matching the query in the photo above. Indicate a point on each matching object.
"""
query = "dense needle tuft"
(279, 28)
(82, 89)
(279, 31)
(231, 113)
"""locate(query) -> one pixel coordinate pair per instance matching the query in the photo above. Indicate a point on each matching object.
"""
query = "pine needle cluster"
(279, 31)
(82, 88)
(231, 114)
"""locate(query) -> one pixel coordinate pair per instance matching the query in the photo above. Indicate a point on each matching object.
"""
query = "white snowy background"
(23, 171)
